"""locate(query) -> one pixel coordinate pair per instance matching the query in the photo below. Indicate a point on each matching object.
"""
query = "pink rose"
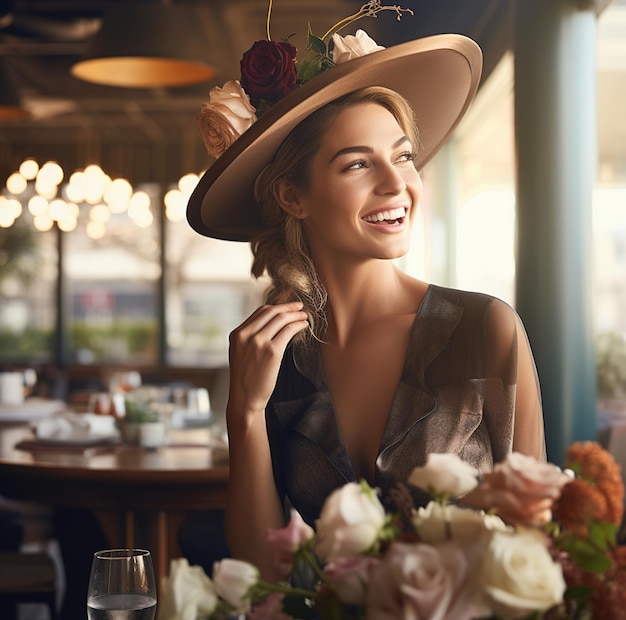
(268, 70)
(270, 608)
(521, 490)
(287, 540)
(225, 117)
(423, 582)
(350, 577)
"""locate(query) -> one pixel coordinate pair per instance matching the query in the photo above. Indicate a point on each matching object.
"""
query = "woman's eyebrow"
(366, 149)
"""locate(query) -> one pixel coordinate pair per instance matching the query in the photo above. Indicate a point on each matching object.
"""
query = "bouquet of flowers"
(527, 540)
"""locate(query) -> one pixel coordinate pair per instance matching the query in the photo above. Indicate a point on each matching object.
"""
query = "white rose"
(233, 580)
(519, 574)
(187, 593)
(445, 474)
(350, 521)
(352, 46)
(225, 117)
(437, 523)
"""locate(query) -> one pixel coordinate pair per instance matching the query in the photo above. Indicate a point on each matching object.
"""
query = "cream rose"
(187, 593)
(233, 580)
(521, 490)
(436, 523)
(445, 474)
(352, 46)
(225, 117)
(519, 575)
(423, 581)
(351, 519)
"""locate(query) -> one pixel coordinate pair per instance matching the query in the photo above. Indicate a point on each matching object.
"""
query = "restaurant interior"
(107, 293)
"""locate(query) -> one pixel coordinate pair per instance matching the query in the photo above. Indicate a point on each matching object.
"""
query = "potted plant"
(611, 370)
(140, 413)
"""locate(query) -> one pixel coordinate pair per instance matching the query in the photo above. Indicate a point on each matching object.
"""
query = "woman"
(353, 369)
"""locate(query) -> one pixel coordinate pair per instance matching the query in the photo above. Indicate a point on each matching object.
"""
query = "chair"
(27, 578)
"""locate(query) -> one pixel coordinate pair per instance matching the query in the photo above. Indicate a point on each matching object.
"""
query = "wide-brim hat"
(438, 75)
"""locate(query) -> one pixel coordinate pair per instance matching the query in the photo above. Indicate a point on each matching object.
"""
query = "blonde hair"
(281, 248)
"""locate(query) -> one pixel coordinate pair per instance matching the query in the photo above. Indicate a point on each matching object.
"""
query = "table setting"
(128, 413)
(31, 409)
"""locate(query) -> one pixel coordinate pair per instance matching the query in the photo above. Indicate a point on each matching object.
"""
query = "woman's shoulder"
(492, 312)
(472, 299)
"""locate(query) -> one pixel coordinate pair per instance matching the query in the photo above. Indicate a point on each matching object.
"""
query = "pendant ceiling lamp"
(147, 45)
(10, 104)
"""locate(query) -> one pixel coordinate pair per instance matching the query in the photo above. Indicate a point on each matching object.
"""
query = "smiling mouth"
(391, 216)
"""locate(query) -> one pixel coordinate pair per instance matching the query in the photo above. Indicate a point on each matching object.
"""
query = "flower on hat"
(270, 70)
(227, 115)
(352, 46)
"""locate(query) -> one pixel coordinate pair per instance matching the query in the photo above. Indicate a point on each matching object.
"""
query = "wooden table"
(140, 496)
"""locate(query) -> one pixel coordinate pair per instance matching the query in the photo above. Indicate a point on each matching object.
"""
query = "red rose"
(268, 71)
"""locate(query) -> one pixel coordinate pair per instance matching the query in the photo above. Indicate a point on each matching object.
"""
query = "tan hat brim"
(438, 75)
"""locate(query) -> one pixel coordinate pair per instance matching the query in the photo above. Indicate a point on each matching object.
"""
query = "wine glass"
(121, 586)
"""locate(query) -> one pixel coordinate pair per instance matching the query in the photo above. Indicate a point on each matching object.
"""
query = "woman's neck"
(364, 296)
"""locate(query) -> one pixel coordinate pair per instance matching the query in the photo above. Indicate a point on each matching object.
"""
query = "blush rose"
(287, 540)
(350, 577)
(421, 581)
(521, 490)
(225, 117)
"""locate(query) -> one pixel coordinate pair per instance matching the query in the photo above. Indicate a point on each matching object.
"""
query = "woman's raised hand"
(256, 350)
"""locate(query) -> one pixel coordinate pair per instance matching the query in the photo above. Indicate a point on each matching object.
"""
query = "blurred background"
(99, 270)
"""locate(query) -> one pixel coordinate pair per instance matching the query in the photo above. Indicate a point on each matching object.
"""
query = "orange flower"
(619, 555)
(579, 503)
(598, 466)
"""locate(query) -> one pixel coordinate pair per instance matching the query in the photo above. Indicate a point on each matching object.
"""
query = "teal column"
(443, 184)
(555, 119)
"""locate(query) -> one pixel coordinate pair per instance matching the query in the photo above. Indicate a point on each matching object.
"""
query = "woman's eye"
(356, 165)
(406, 156)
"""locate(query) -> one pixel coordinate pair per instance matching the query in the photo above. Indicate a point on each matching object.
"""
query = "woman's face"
(363, 188)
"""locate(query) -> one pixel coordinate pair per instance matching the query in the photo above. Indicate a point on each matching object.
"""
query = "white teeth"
(392, 214)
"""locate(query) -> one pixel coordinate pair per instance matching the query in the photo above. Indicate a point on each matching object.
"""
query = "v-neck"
(434, 321)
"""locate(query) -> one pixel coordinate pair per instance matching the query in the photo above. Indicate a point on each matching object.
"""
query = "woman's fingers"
(256, 350)
(267, 322)
(264, 314)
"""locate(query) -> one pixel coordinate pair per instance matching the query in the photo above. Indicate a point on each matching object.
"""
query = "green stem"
(285, 589)
(310, 559)
(269, 17)
(369, 9)
(343, 23)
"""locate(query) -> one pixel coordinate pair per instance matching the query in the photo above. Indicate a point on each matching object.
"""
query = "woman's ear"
(289, 198)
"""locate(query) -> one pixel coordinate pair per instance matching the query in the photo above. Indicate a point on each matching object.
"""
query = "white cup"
(11, 388)
(152, 434)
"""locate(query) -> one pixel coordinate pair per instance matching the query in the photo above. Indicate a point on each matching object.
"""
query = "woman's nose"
(390, 180)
